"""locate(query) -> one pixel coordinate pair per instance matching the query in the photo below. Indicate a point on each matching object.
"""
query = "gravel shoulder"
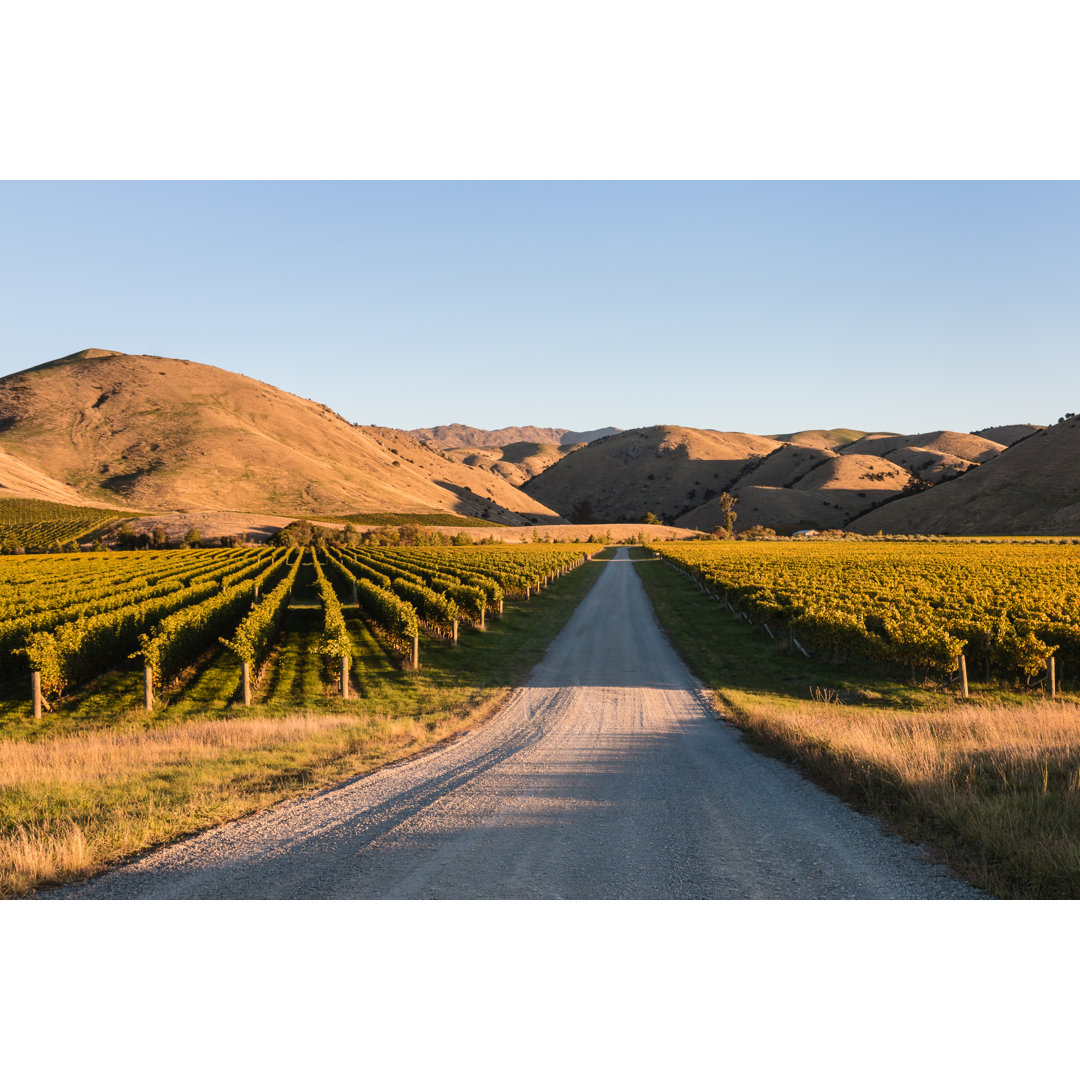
(606, 776)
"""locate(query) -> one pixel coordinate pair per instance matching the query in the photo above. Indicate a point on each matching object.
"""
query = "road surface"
(606, 776)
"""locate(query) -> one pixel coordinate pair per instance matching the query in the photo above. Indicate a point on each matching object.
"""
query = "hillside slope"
(821, 438)
(826, 495)
(516, 463)
(1009, 433)
(664, 470)
(452, 436)
(158, 433)
(1033, 488)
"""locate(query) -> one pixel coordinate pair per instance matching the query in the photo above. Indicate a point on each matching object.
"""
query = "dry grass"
(72, 806)
(995, 787)
(92, 757)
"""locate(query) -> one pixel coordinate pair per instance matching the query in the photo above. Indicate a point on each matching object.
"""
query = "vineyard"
(154, 628)
(1006, 608)
(38, 525)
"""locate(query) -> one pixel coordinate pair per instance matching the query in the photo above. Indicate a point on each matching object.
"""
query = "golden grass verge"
(995, 788)
(93, 756)
(74, 805)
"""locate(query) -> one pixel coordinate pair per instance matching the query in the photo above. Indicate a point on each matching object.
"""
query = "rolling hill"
(821, 438)
(516, 463)
(167, 436)
(816, 479)
(1032, 488)
(154, 433)
(454, 436)
(664, 470)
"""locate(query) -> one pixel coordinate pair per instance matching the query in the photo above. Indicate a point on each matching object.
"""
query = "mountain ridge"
(454, 436)
(147, 432)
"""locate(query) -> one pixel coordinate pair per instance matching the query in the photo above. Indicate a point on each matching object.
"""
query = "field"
(992, 783)
(835, 655)
(38, 525)
(98, 776)
(1006, 608)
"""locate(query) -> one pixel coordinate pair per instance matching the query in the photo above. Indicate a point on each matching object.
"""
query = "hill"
(956, 444)
(156, 433)
(1009, 433)
(1033, 488)
(664, 470)
(452, 436)
(679, 474)
(821, 438)
(516, 463)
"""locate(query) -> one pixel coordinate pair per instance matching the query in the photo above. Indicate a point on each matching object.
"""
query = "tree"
(651, 519)
(726, 504)
(192, 538)
(159, 537)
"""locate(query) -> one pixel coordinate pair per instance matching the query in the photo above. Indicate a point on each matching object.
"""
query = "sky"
(764, 307)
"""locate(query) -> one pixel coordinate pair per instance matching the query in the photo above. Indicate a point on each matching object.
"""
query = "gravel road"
(606, 776)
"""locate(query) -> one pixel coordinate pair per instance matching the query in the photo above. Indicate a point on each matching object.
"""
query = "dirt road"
(606, 776)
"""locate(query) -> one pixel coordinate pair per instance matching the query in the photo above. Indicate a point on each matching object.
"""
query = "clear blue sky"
(758, 307)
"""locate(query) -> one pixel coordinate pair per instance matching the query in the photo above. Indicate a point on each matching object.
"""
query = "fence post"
(483, 612)
(453, 636)
(245, 677)
(414, 662)
(344, 676)
(35, 692)
(1051, 686)
(963, 676)
(148, 688)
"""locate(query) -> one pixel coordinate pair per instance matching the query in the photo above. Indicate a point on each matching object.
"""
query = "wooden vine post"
(1051, 684)
(245, 676)
(453, 633)
(963, 676)
(148, 688)
(414, 660)
(344, 676)
(35, 692)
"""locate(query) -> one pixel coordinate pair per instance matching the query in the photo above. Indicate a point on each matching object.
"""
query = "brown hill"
(23, 481)
(956, 444)
(1031, 488)
(821, 438)
(783, 509)
(826, 496)
(1008, 434)
(156, 433)
(679, 473)
(664, 470)
(786, 465)
(448, 436)
(515, 463)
